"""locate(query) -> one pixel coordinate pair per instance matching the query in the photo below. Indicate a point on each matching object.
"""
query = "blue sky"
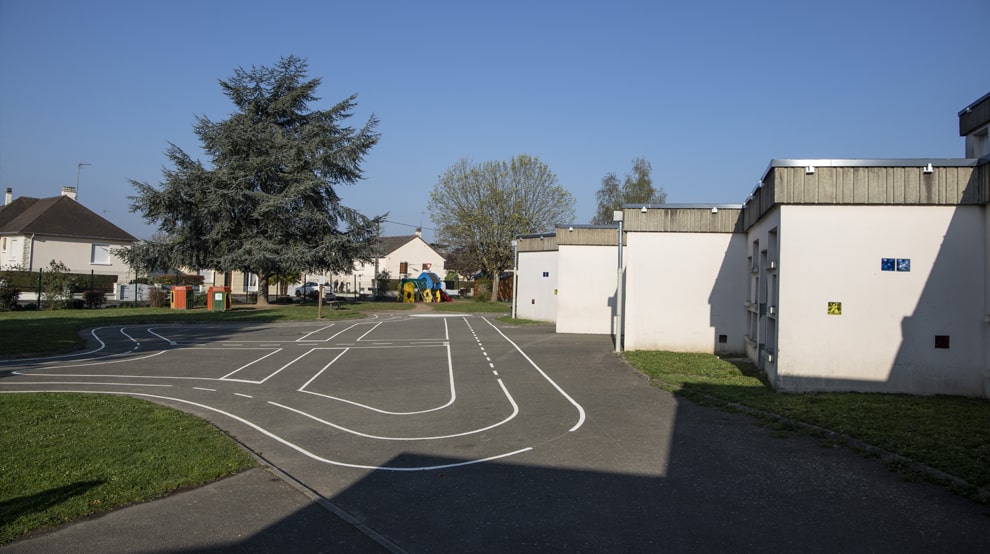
(708, 92)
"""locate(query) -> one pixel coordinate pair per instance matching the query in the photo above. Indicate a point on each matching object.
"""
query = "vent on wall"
(942, 342)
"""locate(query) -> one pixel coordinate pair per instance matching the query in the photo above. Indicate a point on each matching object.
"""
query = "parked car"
(306, 288)
(310, 291)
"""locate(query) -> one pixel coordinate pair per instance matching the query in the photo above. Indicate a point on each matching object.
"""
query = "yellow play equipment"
(412, 290)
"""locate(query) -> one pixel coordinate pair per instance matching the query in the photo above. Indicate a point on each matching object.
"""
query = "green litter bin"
(218, 299)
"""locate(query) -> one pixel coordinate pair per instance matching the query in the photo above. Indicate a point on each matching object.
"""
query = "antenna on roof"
(79, 167)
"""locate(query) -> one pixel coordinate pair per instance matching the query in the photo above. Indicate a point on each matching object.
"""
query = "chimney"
(419, 232)
(9, 197)
(69, 191)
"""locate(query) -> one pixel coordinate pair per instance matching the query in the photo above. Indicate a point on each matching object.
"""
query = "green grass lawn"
(471, 307)
(66, 456)
(950, 434)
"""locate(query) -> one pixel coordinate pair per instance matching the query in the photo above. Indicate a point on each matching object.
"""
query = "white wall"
(884, 338)
(586, 289)
(74, 253)
(536, 295)
(683, 290)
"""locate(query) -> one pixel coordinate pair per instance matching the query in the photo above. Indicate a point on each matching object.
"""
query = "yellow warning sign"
(835, 308)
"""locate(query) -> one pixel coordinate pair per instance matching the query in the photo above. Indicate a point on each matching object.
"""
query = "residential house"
(400, 256)
(35, 231)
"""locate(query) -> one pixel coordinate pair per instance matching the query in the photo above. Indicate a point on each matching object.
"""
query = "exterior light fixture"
(714, 210)
(929, 168)
(809, 170)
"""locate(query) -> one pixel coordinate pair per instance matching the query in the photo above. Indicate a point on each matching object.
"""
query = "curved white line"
(580, 410)
(170, 341)
(515, 412)
(122, 332)
(82, 383)
(93, 363)
(291, 445)
(450, 373)
(91, 332)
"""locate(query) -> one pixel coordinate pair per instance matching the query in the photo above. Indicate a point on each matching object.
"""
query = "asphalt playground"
(455, 432)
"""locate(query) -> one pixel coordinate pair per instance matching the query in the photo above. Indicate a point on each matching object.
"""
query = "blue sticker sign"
(887, 264)
(903, 264)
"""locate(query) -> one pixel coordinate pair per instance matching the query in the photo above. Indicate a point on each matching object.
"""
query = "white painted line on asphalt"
(244, 395)
(373, 327)
(314, 332)
(515, 412)
(82, 383)
(273, 352)
(125, 376)
(96, 362)
(279, 370)
(580, 410)
(320, 372)
(169, 341)
(450, 373)
(92, 332)
(291, 445)
(132, 339)
(331, 337)
(206, 389)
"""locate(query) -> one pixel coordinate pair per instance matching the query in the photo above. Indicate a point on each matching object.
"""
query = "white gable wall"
(884, 339)
(77, 254)
(537, 286)
(684, 290)
(416, 252)
(586, 289)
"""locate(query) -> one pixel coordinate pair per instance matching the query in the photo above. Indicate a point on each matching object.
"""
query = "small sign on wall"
(895, 264)
(835, 308)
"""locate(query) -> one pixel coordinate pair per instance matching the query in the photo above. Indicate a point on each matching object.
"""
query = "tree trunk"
(263, 291)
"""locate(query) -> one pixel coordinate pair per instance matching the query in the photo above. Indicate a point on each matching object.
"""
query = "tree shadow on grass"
(11, 510)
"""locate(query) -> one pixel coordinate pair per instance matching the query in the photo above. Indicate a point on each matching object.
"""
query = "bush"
(483, 290)
(8, 296)
(94, 298)
(199, 300)
(56, 285)
(157, 298)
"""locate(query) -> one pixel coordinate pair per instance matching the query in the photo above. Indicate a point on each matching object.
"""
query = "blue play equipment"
(428, 286)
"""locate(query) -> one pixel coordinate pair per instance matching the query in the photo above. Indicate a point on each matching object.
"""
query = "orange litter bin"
(179, 298)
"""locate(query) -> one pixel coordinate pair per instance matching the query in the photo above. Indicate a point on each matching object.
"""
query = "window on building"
(100, 254)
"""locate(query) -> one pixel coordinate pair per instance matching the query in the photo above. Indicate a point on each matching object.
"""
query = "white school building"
(833, 275)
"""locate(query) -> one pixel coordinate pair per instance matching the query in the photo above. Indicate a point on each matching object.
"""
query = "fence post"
(39, 287)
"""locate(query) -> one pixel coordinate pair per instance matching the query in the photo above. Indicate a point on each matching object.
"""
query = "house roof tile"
(59, 216)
